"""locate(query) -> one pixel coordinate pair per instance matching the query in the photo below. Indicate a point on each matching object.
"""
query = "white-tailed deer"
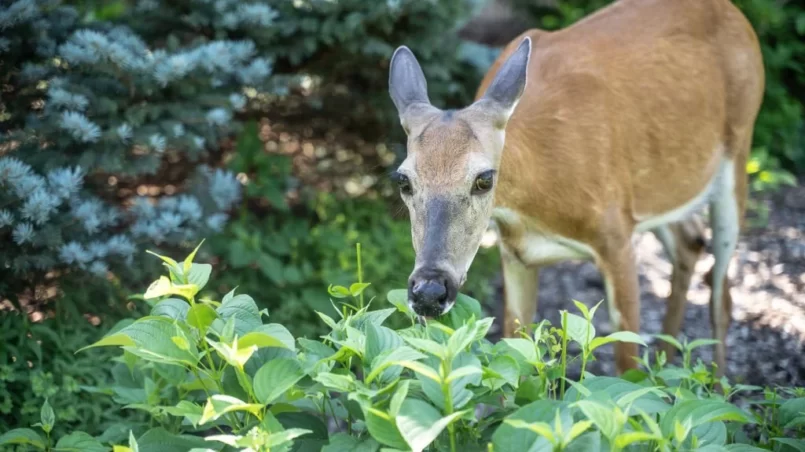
(628, 121)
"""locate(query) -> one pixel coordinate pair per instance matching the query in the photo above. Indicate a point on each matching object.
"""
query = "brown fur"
(625, 115)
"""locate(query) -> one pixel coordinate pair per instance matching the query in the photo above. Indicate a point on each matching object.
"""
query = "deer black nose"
(430, 292)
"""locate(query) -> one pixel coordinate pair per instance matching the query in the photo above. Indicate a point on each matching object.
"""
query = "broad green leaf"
(399, 356)
(380, 339)
(462, 311)
(383, 428)
(79, 442)
(542, 429)
(671, 340)
(342, 442)
(420, 423)
(702, 343)
(338, 291)
(582, 308)
(340, 383)
(610, 388)
(796, 444)
(150, 339)
(791, 409)
(627, 399)
(701, 412)
(459, 394)
(285, 436)
(201, 316)
(188, 261)
(47, 417)
(601, 416)
(507, 438)
(219, 404)
(173, 308)
(576, 430)
(163, 441)
(199, 275)
(507, 371)
(743, 448)
(276, 377)
(628, 438)
(163, 286)
(270, 335)
(357, 288)
(22, 436)
(189, 410)
(524, 347)
(234, 355)
(461, 339)
(399, 396)
(462, 372)
(244, 311)
(376, 317)
(620, 336)
(427, 346)
(579, 329)
(399, 298)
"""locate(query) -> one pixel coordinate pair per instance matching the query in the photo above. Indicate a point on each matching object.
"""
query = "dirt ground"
(766, 343)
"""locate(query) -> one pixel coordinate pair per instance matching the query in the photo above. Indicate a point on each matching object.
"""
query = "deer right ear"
(407, 84)
(509, 83)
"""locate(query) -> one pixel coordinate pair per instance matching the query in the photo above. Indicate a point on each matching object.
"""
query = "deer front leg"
(519, 293)
(617, 264)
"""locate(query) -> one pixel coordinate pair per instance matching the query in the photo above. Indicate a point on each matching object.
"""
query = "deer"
(632, 120)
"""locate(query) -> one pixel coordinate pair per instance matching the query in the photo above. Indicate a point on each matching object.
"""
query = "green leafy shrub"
(213, 375)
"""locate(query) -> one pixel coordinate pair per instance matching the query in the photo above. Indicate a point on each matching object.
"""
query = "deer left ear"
(509, 83)
(407, 85)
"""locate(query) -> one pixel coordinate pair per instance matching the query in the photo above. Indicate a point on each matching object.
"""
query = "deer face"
(447, 180)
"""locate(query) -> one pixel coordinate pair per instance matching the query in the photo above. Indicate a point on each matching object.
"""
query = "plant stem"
(360, 270)
(564, 355)
(448, 402)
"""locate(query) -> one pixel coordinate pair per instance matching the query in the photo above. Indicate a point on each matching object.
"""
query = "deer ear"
(407, 85)
(509, 83)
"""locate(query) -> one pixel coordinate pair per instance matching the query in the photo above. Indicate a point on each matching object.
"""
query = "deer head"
(447, 179)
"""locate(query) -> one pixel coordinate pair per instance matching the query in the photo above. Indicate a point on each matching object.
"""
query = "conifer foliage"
(92, 114)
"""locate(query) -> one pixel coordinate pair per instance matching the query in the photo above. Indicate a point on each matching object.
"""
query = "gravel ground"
(766, 343)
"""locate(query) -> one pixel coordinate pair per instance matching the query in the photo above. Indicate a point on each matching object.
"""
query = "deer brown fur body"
(629, 121)
(626, 116)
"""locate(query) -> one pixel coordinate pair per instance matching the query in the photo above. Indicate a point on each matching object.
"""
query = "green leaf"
(22, 436)
(188, 262)
(380, 339)
(163, 286)
(79, 442)
(579, 329)
(399, 298)
(399, 396)
(276, 377)
(383, 428)
(420, 423)
(702, 343)
(462, 372)
(671, 340)
(402, 356)
(427, 346)
(163, 441)
(459, 394)
(338, 291)
(189, 410)
(244, 311)
(601, 416)
(701, 412)
(219, 404)
(628, 438)
(620, 336)
(524, 347)
(791, 409)
(796, 444)
(461, 339)
(270, 335)
(151, 338)
(47, 417)
(133, 445)
(342, 442)
(464, 309)
(507, 371)
(337, 382)
(542, 429)
(201, 316)
(199, 275)
(173, 308)
(583, 309)
(357, 288)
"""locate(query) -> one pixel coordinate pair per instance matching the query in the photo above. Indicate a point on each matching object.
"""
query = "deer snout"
(431, 292)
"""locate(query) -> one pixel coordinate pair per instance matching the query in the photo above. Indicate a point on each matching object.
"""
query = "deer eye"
(403, 183)
(483, 183)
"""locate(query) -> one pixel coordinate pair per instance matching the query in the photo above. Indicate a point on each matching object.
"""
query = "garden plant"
(215, 374)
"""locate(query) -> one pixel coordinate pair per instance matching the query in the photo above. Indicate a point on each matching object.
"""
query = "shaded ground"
(766, 344)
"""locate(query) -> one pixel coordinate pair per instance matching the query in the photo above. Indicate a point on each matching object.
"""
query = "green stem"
(360, 270)
(448, 402)
(564, 356)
